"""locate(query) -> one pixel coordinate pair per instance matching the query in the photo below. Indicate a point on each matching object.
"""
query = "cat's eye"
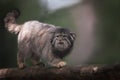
(64, 35)
(57, 35)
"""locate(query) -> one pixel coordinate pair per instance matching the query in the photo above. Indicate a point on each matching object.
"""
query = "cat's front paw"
(21, 65)
(61, 64)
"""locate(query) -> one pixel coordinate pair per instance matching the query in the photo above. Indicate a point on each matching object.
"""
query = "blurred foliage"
(59, 18)
(108, 31)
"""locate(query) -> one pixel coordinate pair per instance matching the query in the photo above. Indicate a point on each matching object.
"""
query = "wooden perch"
(90, 72)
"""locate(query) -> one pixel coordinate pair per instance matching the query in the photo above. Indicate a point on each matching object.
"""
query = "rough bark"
(90, 72)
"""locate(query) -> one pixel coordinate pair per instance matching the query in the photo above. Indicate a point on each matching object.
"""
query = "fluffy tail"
(10, 21)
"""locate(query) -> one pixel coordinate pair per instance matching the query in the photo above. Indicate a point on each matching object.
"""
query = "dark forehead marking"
(62, 30)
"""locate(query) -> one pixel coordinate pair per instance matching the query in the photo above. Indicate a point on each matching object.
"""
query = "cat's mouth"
(61, 43)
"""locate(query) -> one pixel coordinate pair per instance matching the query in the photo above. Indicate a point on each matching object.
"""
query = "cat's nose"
(60, 39)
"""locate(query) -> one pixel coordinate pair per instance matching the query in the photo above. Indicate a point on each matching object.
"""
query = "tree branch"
(90, 72)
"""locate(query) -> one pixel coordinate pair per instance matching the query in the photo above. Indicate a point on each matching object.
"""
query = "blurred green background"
(95, 22)
(108, 31)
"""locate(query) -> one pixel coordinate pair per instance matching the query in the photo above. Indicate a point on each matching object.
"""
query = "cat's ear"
(72, 36)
